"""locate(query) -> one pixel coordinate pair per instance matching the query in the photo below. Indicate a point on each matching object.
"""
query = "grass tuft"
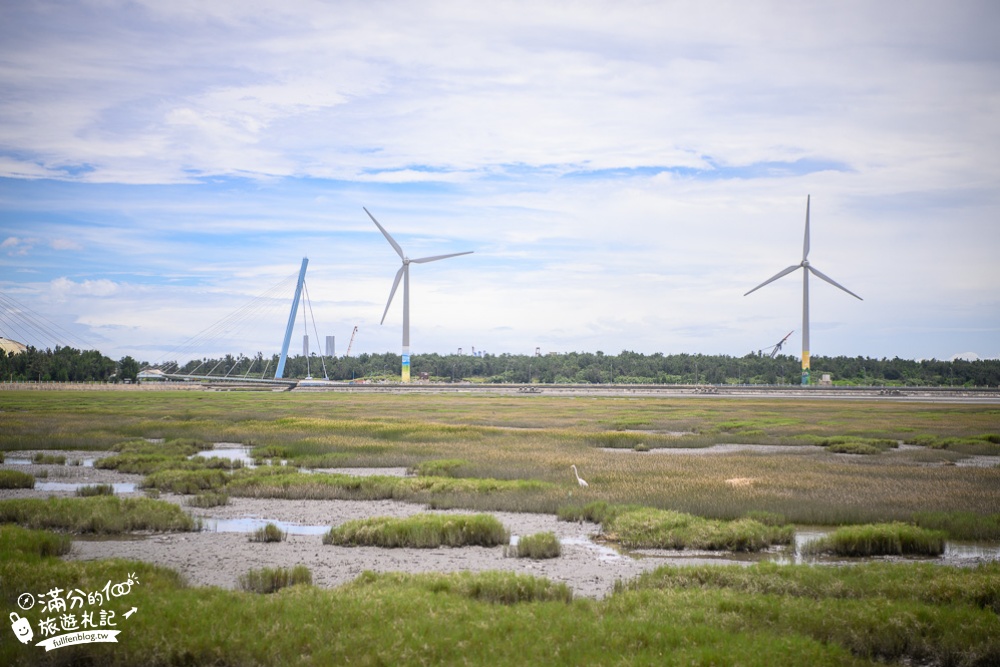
(494, 587)
(421, 531)
(961, 525)
(97, 514)
(40, 543)
(272, 579)
(884, 539)
(15, 479)
(49, 459)
(440, 467)
(95, 490)
(208, 499)
(268, 533)
(648, 528)
(538, 546)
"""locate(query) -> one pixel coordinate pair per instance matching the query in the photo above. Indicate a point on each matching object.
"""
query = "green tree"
(128, 368)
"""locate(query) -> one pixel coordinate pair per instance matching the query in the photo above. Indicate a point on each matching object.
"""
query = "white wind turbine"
(806, 269)
(404, 273)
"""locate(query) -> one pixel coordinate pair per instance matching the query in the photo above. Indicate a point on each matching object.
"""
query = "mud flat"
(210, 558)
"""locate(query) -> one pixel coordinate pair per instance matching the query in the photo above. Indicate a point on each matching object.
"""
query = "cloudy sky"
(623, 171)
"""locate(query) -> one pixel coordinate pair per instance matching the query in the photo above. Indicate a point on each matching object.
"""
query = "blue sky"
(624, 172)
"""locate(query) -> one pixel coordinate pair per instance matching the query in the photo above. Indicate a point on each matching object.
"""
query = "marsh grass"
(95, 490)
(97, 514)
(142, 457)
(208, 499)
(767, 518)
(538, 546)
(295, 485)
(421, 531)
(15, 479)
(887, 539)
(859, 448)
(186, 481)
(961, 525)
(521, 440)
(440, 467)
(914, 614)
(647, 528)
(268, 533)
(987, 444)
(493, 587)
(764, 615)
(272, 579)
(26, 542)
(42, 458)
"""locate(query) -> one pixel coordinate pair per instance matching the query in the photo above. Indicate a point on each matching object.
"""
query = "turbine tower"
(807, 268)
(404, 273)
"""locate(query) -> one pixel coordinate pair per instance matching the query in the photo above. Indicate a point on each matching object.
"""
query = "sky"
(623, 172)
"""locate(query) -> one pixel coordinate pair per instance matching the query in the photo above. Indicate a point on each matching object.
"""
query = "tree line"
(625, 368)
(66, 364)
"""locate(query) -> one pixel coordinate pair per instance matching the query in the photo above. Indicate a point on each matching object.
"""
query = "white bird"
(579, 480)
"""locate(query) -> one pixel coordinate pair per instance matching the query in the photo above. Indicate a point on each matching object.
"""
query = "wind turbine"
(404, 273)
(807, 268)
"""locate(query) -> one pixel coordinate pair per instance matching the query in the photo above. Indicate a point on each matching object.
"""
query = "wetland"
(670, 469)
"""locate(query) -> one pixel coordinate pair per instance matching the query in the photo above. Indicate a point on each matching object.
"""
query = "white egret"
(579, 480)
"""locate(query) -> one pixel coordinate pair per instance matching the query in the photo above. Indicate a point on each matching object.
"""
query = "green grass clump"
(879, 612)
(208, 499)
(980, 445)
(961, 525)
(187, 481)
(861, 448)
(440, 467)
(35, 543)
(598, 511)
(494, 587)
(421, 531)
(648, 528)
(49, 459)
(268, 533)
(271, 579)
(280, 482)
(885, 539)
(15, 479)
(97, 514)
(629, 440)
(538, 546)
(767, 518)
(95, 490)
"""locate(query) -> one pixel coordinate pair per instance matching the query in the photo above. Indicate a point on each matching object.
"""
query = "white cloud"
(494, 127)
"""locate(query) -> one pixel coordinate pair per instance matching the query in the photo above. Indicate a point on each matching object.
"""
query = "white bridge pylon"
(280, 372)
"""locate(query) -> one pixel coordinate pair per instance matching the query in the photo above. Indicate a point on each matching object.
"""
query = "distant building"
(331, 347)
(151, 375)
(12, 346)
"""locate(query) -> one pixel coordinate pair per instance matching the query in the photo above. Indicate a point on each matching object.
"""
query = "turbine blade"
(833, 282)
(424, 260)
(392, 293)
(780, 274)
(805, 244)
(392, 241)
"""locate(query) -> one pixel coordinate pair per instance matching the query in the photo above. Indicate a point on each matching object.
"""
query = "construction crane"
(777, 348)
(353, 334)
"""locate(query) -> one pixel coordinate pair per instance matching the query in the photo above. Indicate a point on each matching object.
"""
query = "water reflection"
(249, 524)
(71, 487)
